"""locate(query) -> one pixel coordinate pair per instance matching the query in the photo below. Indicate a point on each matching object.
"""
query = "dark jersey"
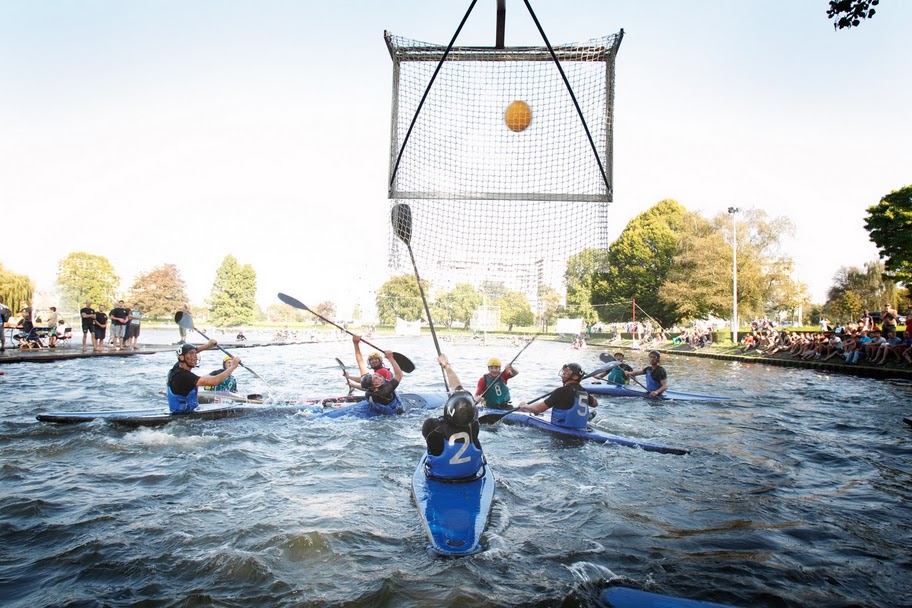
(120, 313)
(564, 398)
(181, 381)
(385, 393)
(86, 323)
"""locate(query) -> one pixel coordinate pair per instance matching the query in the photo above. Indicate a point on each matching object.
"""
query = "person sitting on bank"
(183, 384)
(229, 384)
(492, 387)
(656, 376)
(453, 448)
(569, 403)
(380, 392)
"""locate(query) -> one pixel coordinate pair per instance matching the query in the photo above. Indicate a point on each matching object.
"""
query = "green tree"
(83, 276)
(549, 306)
(515, 310)
(399, 297)
(581, 276)
(639, 262)
(233, 296)
(699, 281)
(867, 283)
(457, 305)
(16, 289)
(889, 224)
(160, 292)
(279, 312)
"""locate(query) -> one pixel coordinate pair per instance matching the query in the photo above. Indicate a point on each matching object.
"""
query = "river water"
(797, 493)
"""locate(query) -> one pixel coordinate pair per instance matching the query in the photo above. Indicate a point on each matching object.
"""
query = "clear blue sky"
(178, 132)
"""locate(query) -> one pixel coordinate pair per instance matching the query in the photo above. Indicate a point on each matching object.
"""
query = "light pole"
(733, 211)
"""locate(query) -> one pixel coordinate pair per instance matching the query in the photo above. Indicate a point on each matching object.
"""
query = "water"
(796, 494)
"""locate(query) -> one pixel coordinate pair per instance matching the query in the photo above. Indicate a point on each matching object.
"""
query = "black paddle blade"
(405, 364)
(606, 358)
(492, 417)
(401, 218)
(293, 302)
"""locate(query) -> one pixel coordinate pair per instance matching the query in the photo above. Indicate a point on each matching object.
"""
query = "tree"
(83, 276)
(639, 261)
(866, 283)
(16, 289)
(849, 13)
(457, 306)
(515, 310)
(889, 224)
(279, 312)
(327, 309)
(699, 282)
(399, 297)
(550, 305)
(581, 276)
(233, 296)
(159, 292)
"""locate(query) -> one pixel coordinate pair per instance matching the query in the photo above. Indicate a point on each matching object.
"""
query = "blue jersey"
(179, 404)
(654, 377)
(459, 458)
(577, 415)
(392, 408)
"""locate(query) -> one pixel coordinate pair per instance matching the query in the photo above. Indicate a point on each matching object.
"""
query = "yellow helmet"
(493, 362)
(227, 358)
(375, 355)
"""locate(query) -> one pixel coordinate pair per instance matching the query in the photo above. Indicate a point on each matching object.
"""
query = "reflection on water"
(796, 493)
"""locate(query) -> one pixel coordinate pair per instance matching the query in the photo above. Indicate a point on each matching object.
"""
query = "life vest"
(392, 409)
(458, 460)
(496, 395)
(651, 385)
(577, 417)
(178, 404)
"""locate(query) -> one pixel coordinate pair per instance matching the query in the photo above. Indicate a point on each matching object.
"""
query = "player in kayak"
(453, 448)
(569, 403)
(229, 384)
(492, 387)
(656, 376)
(183, 383)
(380, 392)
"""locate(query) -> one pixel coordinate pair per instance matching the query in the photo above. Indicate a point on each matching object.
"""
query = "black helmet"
(460, 409)
(367, 381)
(184, 349)
(575, 368)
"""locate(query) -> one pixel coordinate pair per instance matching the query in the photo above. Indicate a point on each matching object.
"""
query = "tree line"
(674, 263)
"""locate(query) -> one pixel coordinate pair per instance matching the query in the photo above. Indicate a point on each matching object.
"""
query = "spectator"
(87, 313)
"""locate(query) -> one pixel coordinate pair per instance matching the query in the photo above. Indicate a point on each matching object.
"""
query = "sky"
(183, 131)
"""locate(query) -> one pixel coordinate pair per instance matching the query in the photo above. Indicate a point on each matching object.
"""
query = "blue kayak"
(625, 597)
(635, 390)
(410, 401)
(230, 405)
(543, 421)
(454, 512)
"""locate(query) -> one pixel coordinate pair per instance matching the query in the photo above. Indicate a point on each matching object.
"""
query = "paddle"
(184, 319)
(495, 416)
(481, 396)
(404, 362)
(401, 217)
(607, 357)
(351, 389)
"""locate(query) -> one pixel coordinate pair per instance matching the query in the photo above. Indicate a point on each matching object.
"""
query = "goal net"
(507, 171)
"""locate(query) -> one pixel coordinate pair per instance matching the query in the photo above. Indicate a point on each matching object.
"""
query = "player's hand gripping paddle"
(184, 319)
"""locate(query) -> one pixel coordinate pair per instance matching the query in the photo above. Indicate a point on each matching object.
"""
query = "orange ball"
(518, 116)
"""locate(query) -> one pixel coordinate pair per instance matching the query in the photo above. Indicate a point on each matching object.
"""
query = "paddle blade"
(405, 364)
(492, 417)
(294, 303)
(401, 218)
(606, 358)
(183, 318)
